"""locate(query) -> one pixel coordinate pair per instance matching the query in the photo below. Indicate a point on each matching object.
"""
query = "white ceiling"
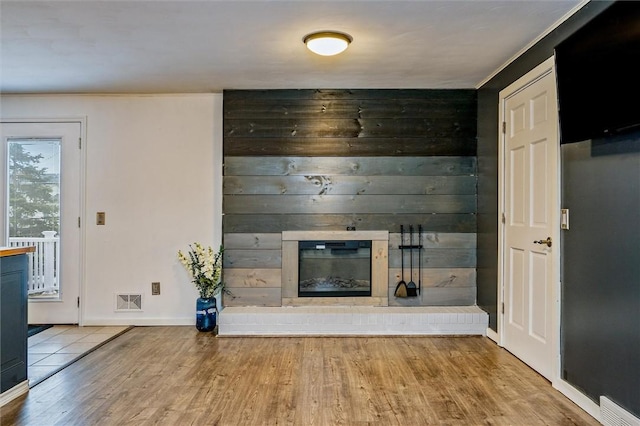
(184, 46)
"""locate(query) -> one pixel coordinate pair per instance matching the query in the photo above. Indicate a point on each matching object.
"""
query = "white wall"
(154, 165)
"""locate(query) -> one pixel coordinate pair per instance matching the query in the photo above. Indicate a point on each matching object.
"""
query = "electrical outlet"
(100, 218)
(155, 288)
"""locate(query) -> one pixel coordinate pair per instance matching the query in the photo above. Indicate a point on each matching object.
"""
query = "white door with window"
(530, 245)
(41, 202)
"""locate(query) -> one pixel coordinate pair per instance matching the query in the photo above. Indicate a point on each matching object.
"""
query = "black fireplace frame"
(338, 247)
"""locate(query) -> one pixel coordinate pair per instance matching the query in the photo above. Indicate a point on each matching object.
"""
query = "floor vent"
(128, 302)
(613, 415)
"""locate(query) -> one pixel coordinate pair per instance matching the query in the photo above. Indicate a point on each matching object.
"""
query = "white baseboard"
(139, 321)
(14, 392)
(493, 335)
(580, 399)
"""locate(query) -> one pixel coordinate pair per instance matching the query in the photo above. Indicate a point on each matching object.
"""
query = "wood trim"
(13, 393)
(332, 160)
(13, 251)
(335, 235)
(334, 301)
(267, 223)
(349, 185)
(249, 241)
(264, 296)
(350, 166)
(289, 269)
(252, 277)
(346, 204)
(348, 146)
(380, 271)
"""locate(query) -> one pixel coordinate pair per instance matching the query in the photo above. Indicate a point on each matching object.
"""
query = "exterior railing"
(44, 263)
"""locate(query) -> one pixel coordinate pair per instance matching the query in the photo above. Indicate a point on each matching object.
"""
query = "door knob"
(547, 242)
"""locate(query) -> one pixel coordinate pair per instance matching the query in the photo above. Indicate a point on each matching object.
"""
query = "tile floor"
(54, 348)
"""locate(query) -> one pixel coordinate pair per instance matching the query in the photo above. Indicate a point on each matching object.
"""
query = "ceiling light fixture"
(327, 43)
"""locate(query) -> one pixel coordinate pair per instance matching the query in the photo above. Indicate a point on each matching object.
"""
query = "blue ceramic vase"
(206, 313)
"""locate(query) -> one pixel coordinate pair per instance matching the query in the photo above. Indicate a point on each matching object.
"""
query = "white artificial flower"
(205, 268)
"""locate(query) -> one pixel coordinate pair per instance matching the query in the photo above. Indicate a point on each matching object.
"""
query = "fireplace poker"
(411, 287)
(401, 288)
(419, 258)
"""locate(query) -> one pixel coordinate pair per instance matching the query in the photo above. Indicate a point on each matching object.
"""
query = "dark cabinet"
(13, 320)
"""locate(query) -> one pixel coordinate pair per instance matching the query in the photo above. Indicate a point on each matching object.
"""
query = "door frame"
(547, 66)
(81, 191)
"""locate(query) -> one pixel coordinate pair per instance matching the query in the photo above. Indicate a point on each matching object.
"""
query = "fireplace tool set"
(410, 289)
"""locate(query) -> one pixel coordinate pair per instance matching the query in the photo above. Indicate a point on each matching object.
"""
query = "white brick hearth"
(351, 321)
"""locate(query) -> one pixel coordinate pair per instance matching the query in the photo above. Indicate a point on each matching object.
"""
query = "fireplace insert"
(334, 268)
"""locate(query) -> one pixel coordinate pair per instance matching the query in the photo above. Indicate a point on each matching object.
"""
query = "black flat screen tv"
(598, 76)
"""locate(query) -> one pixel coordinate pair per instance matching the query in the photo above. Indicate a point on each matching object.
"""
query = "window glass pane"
(34, 187)
(34, 209)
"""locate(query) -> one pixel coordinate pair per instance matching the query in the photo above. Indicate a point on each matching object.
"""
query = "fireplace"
(336, 274)
(334, 268)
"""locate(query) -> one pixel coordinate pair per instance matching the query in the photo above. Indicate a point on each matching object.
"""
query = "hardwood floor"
(176, 376)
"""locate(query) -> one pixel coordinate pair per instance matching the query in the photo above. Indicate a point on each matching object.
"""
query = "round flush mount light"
(327, 43)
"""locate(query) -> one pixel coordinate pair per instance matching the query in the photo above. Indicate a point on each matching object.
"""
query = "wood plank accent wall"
(332, 159)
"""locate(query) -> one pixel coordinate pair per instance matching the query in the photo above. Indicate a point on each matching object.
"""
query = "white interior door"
(530, 225)
(41, 180)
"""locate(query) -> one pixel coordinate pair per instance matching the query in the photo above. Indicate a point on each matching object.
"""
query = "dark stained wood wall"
(332, 159)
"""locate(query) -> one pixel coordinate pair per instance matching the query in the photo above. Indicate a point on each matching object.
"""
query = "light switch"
(564, 219)
(100, 218)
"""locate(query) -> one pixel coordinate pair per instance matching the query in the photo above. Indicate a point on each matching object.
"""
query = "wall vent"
(128, 302)
(612, 414)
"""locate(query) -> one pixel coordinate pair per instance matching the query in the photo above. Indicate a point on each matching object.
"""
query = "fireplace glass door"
(334, 268)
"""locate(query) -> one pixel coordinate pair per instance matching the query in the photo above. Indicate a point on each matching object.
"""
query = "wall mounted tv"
(598, 75)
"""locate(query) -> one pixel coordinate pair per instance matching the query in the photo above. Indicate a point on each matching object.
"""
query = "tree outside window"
(34, 190)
